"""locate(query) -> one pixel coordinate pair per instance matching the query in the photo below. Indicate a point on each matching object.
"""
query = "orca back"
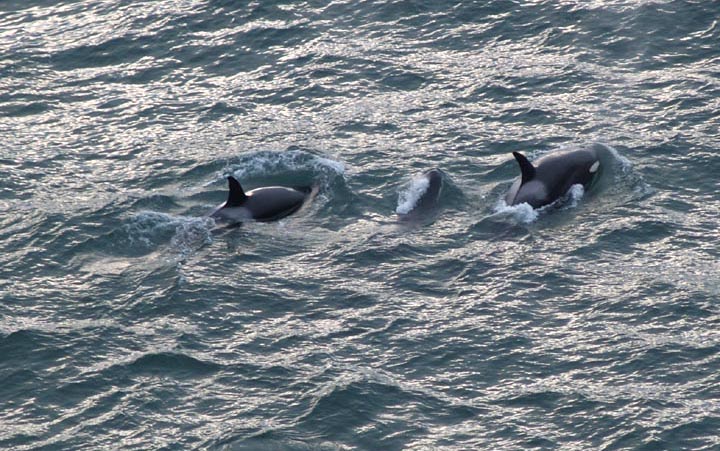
(551, 176)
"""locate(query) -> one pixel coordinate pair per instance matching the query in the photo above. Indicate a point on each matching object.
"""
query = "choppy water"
(129, 321)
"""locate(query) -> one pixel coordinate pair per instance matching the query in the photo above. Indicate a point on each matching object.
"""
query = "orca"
(550, 177)
(432, 183)
(265, 204)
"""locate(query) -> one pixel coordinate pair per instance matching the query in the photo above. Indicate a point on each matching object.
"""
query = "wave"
(294, 163)
(148, 229)
(172, 362)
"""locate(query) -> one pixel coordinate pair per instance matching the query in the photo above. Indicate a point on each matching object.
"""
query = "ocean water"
(130, 320)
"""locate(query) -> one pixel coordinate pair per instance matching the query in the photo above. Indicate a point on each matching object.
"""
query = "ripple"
(129, 321)
(179, 365)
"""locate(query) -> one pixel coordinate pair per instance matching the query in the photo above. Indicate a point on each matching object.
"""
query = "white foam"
(523, 212)
(575, 193)
(526, 214)
(335, 166)
(255, 164)
(409, 197)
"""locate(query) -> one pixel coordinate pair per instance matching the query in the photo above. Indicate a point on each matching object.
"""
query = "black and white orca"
(550, 177)
(265, 204)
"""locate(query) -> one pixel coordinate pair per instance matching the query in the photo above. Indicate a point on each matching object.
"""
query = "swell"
(74, 392)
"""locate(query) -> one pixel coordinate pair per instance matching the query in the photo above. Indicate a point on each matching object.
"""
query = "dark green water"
(128, 320)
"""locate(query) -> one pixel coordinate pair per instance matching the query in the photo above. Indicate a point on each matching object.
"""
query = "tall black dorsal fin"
(526, 168)
(236, 196)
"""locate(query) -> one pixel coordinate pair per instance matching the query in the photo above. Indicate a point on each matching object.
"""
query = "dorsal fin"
(236, 196)
(526, 168)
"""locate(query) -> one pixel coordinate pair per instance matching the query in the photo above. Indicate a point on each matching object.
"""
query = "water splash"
(411, 194)
(573, 196)
(263, 163)
(523, 213)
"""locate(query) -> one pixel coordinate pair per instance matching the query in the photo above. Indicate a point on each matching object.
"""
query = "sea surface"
(129, 320)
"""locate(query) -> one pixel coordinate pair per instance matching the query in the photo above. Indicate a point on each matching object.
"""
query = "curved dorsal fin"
(236, 196)
(526, 168)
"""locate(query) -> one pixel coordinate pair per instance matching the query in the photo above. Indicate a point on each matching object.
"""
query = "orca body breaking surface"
(427, 203)
(265, 204)
(550, 177)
